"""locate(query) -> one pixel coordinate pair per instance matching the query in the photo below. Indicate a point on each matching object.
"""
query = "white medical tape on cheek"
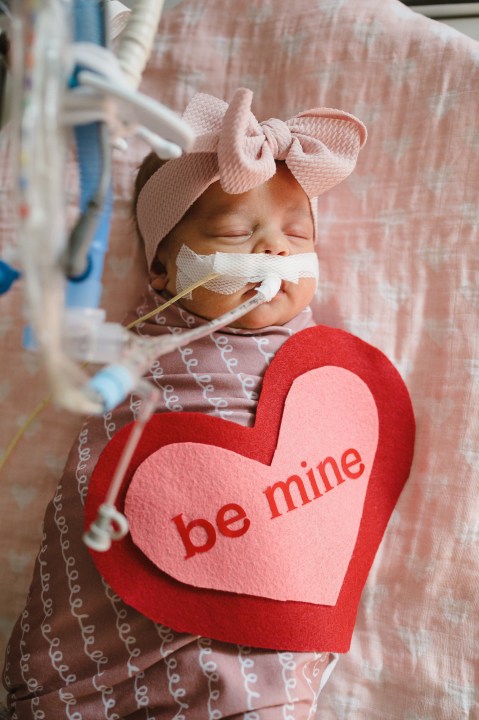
(238, 269)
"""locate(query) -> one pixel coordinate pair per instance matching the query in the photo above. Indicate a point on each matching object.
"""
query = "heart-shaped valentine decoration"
(209, 517)
(264, 536)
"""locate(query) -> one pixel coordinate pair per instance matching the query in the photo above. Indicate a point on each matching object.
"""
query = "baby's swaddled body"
(78, 651)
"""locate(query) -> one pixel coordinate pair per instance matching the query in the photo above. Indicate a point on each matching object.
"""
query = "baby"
(79, 651)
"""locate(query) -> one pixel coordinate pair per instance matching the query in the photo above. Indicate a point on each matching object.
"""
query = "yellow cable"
(46, 400)
(20, 432)
(172, 300)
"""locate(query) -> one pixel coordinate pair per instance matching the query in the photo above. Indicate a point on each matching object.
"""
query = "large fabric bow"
(319, 146)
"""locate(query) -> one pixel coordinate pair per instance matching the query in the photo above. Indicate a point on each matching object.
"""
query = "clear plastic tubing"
(113, 383)
(173, 342)
(111, 524)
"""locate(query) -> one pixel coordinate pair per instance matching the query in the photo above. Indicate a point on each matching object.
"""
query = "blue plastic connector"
(112, 384)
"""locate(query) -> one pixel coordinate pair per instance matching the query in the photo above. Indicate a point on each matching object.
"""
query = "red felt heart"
(248, 619)
(209, 517)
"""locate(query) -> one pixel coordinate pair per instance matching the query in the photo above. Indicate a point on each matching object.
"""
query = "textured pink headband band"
(320, 148)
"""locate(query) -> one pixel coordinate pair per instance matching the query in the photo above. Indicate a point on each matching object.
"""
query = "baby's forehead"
(281, 194)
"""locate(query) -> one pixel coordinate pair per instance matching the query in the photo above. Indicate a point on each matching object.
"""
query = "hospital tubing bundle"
(62, 84)
(117, 380)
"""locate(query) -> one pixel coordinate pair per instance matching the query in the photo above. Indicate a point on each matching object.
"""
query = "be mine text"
(231, 521)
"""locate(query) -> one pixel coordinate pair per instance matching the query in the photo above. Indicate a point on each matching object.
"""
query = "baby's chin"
(261, 317)
(280, 310)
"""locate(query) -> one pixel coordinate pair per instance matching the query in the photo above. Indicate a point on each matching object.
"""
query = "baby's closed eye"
(302, 233)
(233, 233)
(230, 235)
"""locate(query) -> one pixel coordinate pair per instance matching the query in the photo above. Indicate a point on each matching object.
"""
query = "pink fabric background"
(399, 265)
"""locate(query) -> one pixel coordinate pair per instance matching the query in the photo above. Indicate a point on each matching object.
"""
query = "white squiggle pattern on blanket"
(221, 342)
(167, 636)
(37, 714)
(87, 630)
(210, 670)
(109, 425)
(247, 663)
(262, 343)
(190, 320)
(171, 400)
(31, 683)
(135, 406)
(54, 652)
(130, 644)
(317, 668)
(84, 455)
(203, 380)
(67, 698)
(246, 381)
(290, 683)
(76, 604)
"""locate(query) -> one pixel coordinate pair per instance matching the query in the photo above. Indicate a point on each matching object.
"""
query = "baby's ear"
(158, 275)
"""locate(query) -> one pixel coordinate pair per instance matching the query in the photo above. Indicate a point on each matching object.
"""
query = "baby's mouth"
(251, 288)
(282, 288)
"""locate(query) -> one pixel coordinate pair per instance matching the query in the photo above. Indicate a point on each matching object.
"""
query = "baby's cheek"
(209, 304)
(310, 286)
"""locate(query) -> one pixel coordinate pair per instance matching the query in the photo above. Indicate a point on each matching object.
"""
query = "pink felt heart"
(240, 617)
(208, 516)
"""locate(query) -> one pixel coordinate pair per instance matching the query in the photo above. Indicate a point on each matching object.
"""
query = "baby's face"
(274, 218)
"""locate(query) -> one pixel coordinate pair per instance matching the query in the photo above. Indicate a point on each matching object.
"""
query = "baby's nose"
(272, 243)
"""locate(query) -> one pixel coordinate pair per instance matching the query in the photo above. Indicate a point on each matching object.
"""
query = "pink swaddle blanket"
(77, 647)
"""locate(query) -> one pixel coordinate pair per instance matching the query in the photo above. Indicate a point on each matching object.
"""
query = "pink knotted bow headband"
(320, 148)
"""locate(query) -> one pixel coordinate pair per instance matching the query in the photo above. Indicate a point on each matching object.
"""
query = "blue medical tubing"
(8, 275)
(85, 290)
